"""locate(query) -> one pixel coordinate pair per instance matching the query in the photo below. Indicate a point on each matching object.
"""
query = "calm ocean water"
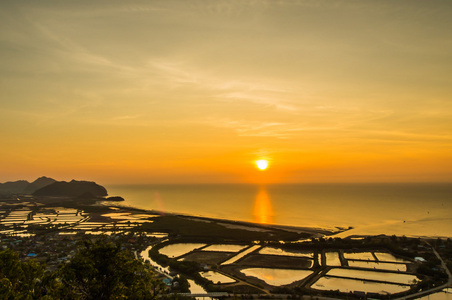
(402, 209)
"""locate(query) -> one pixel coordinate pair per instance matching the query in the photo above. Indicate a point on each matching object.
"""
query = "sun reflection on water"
(263, 210)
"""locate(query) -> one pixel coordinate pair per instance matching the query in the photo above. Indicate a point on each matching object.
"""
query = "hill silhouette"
(72, 189)
(25, 187)
(13, 187)
(38, 184)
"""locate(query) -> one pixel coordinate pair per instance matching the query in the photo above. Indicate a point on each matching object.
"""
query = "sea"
(413, 210)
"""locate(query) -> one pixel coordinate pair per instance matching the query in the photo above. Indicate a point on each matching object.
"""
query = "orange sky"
(196, 91)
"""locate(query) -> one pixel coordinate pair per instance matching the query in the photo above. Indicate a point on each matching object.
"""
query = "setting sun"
(262, 164)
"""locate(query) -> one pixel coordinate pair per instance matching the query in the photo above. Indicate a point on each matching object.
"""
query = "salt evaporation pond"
(277, 277)
(445, 294)
(278, 251)
(240, 255)
(350, 285)
(127, 216)
(359, 255)
(373, 275)
(384, 256)
(145, 255)
(175, 250)
(377, 265)
(225, 248)
(217, 277)
(332, 259)
(158, 234)
(195, 288)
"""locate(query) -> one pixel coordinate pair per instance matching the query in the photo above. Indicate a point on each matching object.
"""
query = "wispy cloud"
(225, 89)
(174, 73)
(351, 124)
(127, 117)
(252, 128)
(257, 99)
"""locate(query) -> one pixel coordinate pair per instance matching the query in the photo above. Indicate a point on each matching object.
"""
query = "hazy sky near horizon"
(195, 91)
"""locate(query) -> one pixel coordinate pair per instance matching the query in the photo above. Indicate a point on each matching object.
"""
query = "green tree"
(23, 280)
(102, 270)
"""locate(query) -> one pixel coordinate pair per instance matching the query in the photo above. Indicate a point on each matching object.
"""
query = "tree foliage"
(23, 280)
(99, 270)
(102, 270)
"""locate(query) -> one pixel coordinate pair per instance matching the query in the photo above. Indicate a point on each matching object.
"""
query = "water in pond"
(332, 259)
(384, 256)
(157, 234)
(195, 288)
(240, 255)
(377, 265)
(277, 277)
(175, 250)
(350, 285)
(445, 294)
(373, 275)
(278, 251)
(225, 248)
(217, 277)
(145, 255)
(359, 255)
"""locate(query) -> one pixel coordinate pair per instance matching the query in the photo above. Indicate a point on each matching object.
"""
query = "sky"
(196, 91)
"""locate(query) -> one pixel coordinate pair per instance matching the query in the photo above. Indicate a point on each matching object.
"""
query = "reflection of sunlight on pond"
(240, 255)
(350, 285)
(225, 248)
(157, 234)
(277, 277)
(216, 277)
(267, 278)
(359, 255)
(197, 289)
(384, 256)
(373, 275)
(278, 251)
(263, 210)
(332, 259)
(377, 265)
(145, 255)
(445, 294)
(175, 250)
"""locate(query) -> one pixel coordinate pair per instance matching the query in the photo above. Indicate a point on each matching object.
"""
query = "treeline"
(397, 245)
(99, 270)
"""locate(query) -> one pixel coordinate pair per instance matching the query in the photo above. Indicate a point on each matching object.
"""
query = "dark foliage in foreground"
(23, 280)
(99, 270)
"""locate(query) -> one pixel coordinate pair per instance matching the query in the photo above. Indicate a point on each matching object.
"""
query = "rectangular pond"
(344, 285)
(373, 275)
(384, 256)
(225, 248)
(216, 277)
(277, 277)
(332, 259)
(240, 255)
(178, 249)
(359, 255)
(377, 265)
(278, 251)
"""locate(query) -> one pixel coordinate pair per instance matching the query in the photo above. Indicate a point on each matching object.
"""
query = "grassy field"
(275, 261)
(200, 229)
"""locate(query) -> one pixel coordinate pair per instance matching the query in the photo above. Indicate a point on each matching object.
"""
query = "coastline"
(300, 249)
(371, 209)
